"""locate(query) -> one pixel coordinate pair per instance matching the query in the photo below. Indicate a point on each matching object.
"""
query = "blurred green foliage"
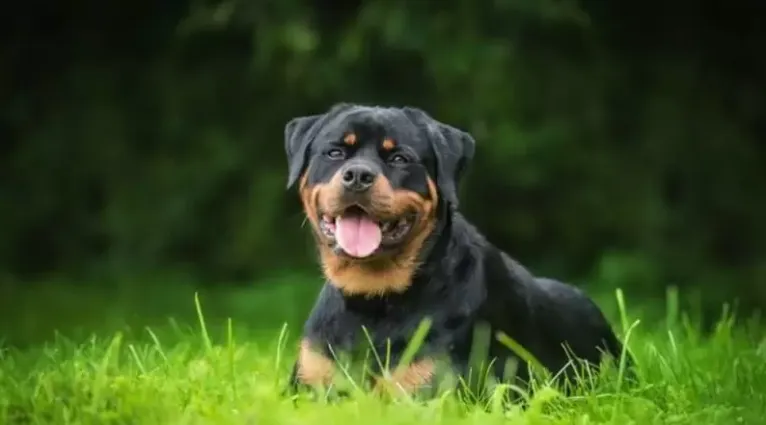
(616, 144)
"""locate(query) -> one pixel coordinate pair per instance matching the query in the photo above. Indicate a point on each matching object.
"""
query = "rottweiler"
(379, 187)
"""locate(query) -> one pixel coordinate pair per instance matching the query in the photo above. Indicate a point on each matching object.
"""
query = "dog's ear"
(453, 161)
(298, 134)
(453, 150)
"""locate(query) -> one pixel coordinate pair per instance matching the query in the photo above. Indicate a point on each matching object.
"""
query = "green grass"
(220, 371)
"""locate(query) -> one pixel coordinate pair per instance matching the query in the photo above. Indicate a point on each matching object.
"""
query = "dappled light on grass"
(169, 378)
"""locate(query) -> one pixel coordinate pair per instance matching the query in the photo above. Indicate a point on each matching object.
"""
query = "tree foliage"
(615, 142)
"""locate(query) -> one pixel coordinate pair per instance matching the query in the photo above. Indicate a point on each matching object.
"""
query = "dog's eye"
(336, 153)
(398, 159)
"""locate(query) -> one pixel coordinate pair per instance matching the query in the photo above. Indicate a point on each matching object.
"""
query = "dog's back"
(541, 314)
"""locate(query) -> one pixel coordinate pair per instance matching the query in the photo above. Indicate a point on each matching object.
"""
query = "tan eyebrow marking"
(350, 139)
(388, 144)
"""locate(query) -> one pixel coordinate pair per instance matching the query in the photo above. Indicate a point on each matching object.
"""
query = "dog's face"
(372, 181)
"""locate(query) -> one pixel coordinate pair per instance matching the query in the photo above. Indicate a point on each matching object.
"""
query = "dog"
(379, 187)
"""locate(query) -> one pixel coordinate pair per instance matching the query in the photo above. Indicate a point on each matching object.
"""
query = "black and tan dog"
(379, 187)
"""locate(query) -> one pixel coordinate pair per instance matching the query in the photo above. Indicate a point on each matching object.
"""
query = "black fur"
(464, 280)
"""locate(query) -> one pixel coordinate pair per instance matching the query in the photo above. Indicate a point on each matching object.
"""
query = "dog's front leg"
(314, 367)
(407, 379)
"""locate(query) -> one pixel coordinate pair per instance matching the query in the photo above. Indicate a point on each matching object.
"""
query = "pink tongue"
(357, 235)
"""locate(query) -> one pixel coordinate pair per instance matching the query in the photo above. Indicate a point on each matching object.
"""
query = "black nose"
(358, 178)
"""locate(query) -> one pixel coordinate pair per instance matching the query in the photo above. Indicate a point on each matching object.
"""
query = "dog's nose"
(358, 178)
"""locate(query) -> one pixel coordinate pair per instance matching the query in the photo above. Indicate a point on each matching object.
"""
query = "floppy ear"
(453, 161)
(298, 134)
(453, 149)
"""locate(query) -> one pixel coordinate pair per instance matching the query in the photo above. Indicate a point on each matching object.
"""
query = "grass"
(216, 370)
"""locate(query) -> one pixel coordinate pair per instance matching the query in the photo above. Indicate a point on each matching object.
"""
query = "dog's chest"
(385, 321)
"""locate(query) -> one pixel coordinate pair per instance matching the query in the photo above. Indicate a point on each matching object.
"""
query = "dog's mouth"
(359, 234)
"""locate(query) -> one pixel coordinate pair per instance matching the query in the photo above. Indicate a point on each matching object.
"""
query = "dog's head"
(373, 181)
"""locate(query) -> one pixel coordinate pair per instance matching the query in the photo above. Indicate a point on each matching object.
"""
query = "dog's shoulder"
(504, 276)
(472, 256)
(468, 277)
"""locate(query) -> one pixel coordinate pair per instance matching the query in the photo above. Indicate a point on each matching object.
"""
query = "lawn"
(119, 359)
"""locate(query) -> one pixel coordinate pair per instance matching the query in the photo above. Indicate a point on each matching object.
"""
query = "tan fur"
(309, 200)
(379, 275)
(350, 139)
(314, 368)
(408, 379)
(388, 144)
